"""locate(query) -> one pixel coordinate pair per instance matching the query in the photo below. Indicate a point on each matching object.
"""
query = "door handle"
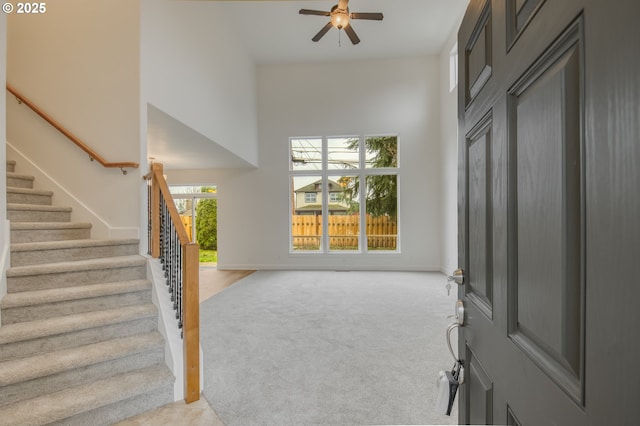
(457, 277)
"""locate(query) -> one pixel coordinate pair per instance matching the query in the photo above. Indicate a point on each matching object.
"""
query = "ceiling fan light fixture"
(339, 18)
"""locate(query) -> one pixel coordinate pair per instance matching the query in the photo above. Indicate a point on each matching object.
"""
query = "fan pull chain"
(339, 38)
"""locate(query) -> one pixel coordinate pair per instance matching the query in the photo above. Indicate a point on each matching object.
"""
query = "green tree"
(207, 222)
(382, 195)
(382, 190)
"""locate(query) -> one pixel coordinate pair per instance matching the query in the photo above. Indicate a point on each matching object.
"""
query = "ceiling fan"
(340, 19)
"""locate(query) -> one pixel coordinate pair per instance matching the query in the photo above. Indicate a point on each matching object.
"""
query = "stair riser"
(122, 410)
(107, 393)
(37, 216)
(18, 182)
(74, 278)
(19, 198)
(51, 310)
(78, 376)
(40, 235)
(77, 338)
(37, 257)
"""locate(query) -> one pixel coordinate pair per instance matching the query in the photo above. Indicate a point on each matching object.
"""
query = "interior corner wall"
(79, 62)
(449, 161)
(4, 231)
(392, 96)
(3, 122)
(196, 71)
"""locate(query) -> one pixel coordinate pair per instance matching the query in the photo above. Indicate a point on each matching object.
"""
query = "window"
(453, 68)
(344, 194)
(310, 197)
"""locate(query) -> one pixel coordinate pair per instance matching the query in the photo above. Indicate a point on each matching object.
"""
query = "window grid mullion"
(324, 247)
(362, 197)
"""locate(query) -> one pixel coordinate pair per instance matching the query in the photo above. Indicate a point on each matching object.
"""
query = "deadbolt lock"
(457, 277)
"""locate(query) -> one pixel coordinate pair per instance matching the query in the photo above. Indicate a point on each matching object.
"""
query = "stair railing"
(73, 138)
(169, 242)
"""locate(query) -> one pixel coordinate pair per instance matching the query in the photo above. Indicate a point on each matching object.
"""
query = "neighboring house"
(308, 199)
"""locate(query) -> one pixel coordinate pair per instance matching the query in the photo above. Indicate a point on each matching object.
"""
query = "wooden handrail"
(158, 179)
(190, 280)
(73, 138)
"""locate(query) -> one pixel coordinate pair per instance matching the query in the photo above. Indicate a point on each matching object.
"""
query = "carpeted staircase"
(78, 343)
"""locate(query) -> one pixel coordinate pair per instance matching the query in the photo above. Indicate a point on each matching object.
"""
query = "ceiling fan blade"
(352, 34)
(314, 12)
(322, 32)
(371, 16)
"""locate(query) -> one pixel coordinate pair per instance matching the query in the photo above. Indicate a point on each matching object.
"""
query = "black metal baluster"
(174, 293)
(171, 258)
(163, 230)
(180, 290)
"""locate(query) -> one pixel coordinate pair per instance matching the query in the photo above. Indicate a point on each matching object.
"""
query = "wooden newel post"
(156, 170)
(191, 322)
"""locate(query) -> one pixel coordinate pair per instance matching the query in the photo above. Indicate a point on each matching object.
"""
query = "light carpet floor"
(327, 348)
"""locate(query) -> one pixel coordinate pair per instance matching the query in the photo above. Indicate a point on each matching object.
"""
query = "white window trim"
(362, 172)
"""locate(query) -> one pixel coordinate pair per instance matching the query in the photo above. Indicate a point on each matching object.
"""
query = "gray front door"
(549, 211)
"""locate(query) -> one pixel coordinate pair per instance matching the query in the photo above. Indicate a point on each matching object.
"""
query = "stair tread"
(55, 361)
(17, 226)
(65, 244)
(42, 365)
(37, 207)
(76, 265)
(29, 191)
(68, 402)
(19, 176)
(38, 297)
(23, 331)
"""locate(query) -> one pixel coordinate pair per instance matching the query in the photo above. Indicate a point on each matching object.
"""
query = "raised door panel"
(546, 244)
(519, 14)
(479, 55)
(479, 288)
(480, 392)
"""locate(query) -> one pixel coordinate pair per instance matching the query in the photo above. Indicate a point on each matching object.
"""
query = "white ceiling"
(274, 31)
(178, 146)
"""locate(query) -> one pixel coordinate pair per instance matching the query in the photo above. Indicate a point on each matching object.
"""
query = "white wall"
(449, 161)
(79, 62)
(384, 96)
(4, 224)
(196, 71)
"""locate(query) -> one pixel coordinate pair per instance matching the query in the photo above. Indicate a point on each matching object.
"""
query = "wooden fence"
(344, 231)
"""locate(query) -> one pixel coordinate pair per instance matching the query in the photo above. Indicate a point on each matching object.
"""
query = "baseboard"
(315, 267)
(448, 270)
(81, 212)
